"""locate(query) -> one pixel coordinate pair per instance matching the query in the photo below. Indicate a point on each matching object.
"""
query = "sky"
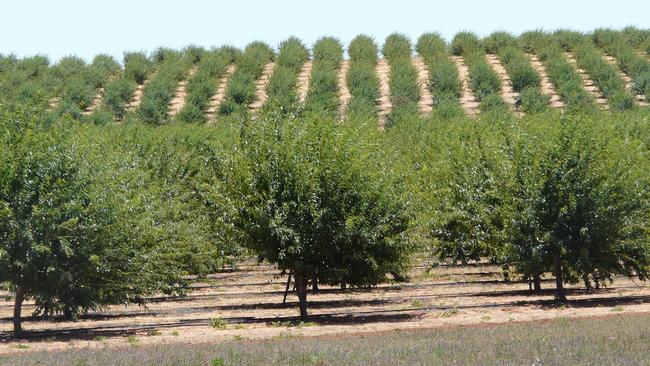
(86, 28)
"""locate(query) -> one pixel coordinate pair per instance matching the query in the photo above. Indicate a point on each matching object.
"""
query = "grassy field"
(616, 340)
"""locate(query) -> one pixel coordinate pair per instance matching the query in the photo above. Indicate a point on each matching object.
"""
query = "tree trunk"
(314, 284)
(559, 279)
(343, 286)
(286, 290)
(506, 274)
(18, 306)
(537, 282)
(301, 289)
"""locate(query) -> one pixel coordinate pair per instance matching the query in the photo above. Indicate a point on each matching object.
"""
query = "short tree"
(308, 202)
(58, 243)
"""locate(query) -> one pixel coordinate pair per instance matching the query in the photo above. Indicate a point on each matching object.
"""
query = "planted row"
(404, 90)
(524, 78)
(323, 96)
(173, 66)
(203, 85)
(601, 72)
(281, 90)
(362, 79)
(562, 74)
(483, 80)
(629, 60)
(240, 91)
(444, 82)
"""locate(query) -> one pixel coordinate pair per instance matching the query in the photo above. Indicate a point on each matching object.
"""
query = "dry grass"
(620, 340)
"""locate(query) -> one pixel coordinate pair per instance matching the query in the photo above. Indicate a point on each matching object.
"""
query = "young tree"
(309, 202)
(60, 241)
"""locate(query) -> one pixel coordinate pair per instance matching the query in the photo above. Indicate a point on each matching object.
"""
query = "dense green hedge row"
(444, 82)
(203, 85)
(362, 78)
(483, 80)
(173, 66)
(604, 75)
(629, 60)
(119, 91)
(240, 91)
(404, 90)
(282, 90)
(562, 74)
(22, 80)
(323, 95)
(525, 80)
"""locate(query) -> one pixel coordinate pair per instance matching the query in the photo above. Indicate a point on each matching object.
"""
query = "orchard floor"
(249, 299)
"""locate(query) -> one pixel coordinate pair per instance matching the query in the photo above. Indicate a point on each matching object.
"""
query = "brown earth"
(547, 86)
(344, 92)
(249, 299)
(217, 98)
(303, 81)
(467, 100)
(260, 88)
(507, 92)
(588, 83)
(425, 105)
(629, 84)
(178, 102)
(384, 103)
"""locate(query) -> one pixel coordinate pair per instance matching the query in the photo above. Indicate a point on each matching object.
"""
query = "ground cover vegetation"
(323, 95)
(444, 82)
(282, 92)
(404, 90)
(93, 215)
(362, 77)
(483, 80)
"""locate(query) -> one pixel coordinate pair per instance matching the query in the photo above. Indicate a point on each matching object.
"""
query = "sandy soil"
(507, 93)
(588, 83)
(425, 105)
(467, 100)
(629, 84)
(137, 95)
(547, 86)
(178, 102)
(217, 98)
(384, 103)
(249, 299)
(344, 92)
(96, 103)
(260, 88)
(303, 81)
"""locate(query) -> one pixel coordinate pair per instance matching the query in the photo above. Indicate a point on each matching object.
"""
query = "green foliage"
(117, 94)
(464, 43)
(61, 240)
(323, 98)
(396, 46)
(363, 49)
(496, 41)
(241, 86)
(362, 78)
(444, 82)
(308, 203)
(533, 101)
(137, 66)
(282, 86)
(483, 80)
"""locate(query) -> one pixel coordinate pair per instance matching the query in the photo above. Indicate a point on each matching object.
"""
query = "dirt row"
(217, 98)
(344, 92)
(467, 100)
(304, 77)
(507, 92)
(629, 84)
(425, 105)
(384, 103)
(589, 84)
(546, 85)
(260, 88)
(247, 303)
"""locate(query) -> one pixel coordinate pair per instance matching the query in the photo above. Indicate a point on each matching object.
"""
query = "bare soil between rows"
(249, 299)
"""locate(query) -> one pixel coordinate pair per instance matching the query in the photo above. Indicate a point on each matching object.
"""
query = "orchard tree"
(60, 239)
(310, 203)
(583, 206)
